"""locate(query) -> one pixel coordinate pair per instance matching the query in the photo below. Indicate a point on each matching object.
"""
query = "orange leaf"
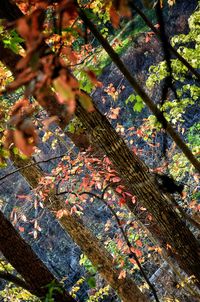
(116, 179)
(114, 113)
(93, 78)
(21, 229)
(114, 16)
(122, 274)
(23, 28)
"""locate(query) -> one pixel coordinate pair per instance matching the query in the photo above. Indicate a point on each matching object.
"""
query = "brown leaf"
(23, 28)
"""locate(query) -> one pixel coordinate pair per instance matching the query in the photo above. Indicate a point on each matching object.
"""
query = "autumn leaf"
(116, 179)
(93, 78)
(73, 210)
(114, 113)
(122, 202)
(23, 28)
(122, 274)
(114, 16)
(65, 95)
(61, 213)
(86, 102)
(24, 135)
(119, 189)
(134, 199)
(136, 251)
(139, 243)
(21, 229)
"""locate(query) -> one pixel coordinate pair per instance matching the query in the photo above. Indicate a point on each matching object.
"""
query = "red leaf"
(116, 179)
(21, 229)
(122, 201)
(136, 251)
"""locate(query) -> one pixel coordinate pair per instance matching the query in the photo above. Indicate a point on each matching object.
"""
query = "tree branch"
(159, 114)
(169, 46)
(124, 235)
(14, 279)
(30, 165)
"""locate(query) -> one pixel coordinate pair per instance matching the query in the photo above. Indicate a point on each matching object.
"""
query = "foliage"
(187, 89)
(76, 287)
(100, 294)
(11, 292)
(139, 105)
(11, 39)
(188, 93)
(80, 177)
(91, 281)
(52, 288)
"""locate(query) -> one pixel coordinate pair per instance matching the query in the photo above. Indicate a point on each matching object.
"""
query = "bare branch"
(124, 235)
(30, 165)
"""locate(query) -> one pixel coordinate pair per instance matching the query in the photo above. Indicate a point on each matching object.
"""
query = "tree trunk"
(139, 90)
(49, 103)
(100, 258)
(80, 139)
(20, 255)
(141, 184)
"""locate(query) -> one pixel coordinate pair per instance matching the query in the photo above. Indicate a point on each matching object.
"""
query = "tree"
(137, 177)
(96, 253)
(36, 276)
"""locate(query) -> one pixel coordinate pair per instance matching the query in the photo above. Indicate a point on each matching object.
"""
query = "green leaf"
(130, 99)
(139, 105)
(91, 282)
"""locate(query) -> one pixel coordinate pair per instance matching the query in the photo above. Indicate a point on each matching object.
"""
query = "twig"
(14, 279)
(131, 253)
(169, 46)
(139, 90)
(30, 165)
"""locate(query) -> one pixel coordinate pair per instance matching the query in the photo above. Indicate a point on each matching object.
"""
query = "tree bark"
(20, 255)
